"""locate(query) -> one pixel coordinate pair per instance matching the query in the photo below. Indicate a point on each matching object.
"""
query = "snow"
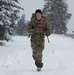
(1, 23)
(58, 57)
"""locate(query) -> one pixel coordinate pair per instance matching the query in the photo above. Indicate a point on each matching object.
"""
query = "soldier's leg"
(37, 55)
(37, 52)
(34, 51)
(38, 59)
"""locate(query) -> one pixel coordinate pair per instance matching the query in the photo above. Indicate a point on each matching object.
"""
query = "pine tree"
(21, 26)
(9, 10)
(57, 14)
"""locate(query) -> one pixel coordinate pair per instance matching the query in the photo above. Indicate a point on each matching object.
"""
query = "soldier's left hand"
(47, 34)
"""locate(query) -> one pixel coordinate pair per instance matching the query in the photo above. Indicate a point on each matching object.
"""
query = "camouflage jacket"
(40, 26)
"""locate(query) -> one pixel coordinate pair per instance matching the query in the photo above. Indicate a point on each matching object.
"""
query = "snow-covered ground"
(58, 57)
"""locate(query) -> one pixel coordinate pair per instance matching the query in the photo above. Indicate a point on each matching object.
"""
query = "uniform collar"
(38, 21)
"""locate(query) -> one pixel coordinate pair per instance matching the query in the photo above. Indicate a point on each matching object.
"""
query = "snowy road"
(58, 57)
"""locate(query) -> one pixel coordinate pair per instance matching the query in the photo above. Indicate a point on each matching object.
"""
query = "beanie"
(38, 11)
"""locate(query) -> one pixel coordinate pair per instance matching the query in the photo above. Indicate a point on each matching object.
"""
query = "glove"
(33, 31)
(47, 34)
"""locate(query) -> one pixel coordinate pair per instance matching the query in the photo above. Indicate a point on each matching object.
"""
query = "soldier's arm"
(30, 28)
(47, 28)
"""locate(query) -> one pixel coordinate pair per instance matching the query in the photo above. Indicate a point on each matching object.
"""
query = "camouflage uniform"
(39, 27)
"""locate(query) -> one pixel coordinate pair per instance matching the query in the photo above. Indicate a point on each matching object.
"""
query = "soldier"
(38, 28)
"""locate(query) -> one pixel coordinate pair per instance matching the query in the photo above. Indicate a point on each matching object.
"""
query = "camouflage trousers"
(37, 47)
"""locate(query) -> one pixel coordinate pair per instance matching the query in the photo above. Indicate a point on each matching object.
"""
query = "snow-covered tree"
(57, 14)
(9, 10)
(21, 26)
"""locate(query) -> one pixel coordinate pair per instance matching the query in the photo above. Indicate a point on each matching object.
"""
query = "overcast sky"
(31, 5)
(71, 10)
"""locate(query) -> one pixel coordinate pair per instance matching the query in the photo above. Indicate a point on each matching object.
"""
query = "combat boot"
(39, 65)
(38, 69)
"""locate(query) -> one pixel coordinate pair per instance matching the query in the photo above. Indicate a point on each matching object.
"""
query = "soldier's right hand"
(33, 31)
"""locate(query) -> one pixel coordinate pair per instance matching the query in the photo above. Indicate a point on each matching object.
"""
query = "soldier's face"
(38, 16)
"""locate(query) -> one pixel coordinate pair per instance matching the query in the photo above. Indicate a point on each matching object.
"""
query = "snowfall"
(58, 56)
